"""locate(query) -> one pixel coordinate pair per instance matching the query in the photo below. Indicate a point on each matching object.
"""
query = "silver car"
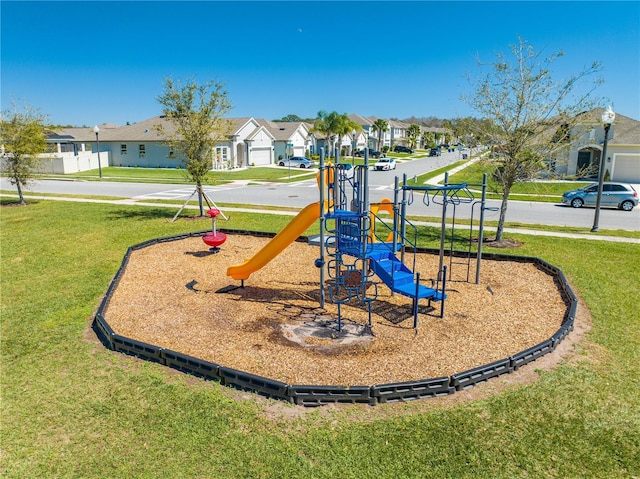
(297, 162)
(616, 195)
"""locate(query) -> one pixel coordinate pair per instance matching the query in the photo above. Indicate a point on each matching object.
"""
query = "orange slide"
(273, 248)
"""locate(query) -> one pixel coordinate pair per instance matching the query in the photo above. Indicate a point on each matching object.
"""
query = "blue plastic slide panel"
(318, 395)
(409, 390)
(477, 375)
(136, 348)
(250, 382)
(532, 353)
(190, 365)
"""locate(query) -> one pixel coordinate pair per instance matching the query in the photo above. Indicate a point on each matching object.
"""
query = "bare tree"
(196, 115)
(23, 138)
(529, 114)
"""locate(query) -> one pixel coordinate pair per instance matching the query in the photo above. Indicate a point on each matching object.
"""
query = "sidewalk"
(130, 202)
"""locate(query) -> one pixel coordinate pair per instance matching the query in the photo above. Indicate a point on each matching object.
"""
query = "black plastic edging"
(132, 347)
(246, 381)
(531, 354)
(319, 395)
(190, 365)
(409, 390)
(103, 331)
(144, 244)
(477, 375)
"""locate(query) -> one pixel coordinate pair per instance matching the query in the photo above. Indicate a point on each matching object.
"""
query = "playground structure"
(192, 311)
(357, 243)
(214, 238)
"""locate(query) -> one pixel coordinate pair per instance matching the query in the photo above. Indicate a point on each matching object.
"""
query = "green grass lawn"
(549, 191)
(70, 408)
(173, 175)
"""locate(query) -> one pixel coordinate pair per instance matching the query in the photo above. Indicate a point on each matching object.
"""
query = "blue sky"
(86, 63)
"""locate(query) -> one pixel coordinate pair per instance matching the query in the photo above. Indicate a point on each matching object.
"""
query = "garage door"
(260, 156)
(626, 168)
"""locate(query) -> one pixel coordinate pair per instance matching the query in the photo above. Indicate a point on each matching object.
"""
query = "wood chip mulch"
(177, 295)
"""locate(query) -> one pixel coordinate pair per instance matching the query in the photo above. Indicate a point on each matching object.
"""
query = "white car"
(384, 164)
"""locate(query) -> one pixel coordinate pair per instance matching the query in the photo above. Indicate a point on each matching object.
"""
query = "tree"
(380, 125)
(428, 139)
(23, 137)
(525, 108)
(413, 133)
(334, 125)
(195, 115)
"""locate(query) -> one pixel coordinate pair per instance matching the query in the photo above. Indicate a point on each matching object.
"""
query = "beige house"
(623, 148)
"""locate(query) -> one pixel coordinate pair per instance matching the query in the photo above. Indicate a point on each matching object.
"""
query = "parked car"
(372, 153)
(435, 152)
(402, 149)
(617, 195)
(297, 162)
(384, 164)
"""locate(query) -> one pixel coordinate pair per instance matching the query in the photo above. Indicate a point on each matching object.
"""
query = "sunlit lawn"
(257, 174)
(473, 175)
(70, 408)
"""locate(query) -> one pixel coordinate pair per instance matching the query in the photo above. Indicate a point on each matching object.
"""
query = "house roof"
(626, 131)
(281, 130)
(360, 120)
(146, 130)
(255, 132)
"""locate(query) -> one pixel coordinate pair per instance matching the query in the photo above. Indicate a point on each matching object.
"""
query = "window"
(142, 151)
(172, 153)
(222, 153)
(123, 149)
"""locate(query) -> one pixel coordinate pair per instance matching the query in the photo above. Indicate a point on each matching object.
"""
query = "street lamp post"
(96, 130)
(353, 148)
(607, 119)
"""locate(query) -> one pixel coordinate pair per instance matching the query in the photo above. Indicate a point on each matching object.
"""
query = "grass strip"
(71, 409)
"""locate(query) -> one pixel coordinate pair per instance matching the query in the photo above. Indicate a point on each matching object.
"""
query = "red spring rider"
(214, 239)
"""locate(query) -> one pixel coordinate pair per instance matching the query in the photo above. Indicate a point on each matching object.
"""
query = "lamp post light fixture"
(96, 130)
(608, 116)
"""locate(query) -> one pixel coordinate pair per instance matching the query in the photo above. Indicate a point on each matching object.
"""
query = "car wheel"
(302, 166)
(577, 202)
(626, 205)
(281, 163)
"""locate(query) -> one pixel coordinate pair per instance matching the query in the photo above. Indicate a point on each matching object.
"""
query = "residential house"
(142, 145)
(587, 142)
(252, 142)
(290, 138)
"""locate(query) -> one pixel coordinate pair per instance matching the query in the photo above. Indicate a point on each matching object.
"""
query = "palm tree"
(380, 125)
(334, 125)
(413, 133)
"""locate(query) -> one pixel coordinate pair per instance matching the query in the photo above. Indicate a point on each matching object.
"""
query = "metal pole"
(443, 224)
(481, 227)
(322, 225)
(99, 164)
(601, 178)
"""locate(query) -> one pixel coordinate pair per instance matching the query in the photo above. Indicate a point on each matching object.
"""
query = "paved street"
(300, 194)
